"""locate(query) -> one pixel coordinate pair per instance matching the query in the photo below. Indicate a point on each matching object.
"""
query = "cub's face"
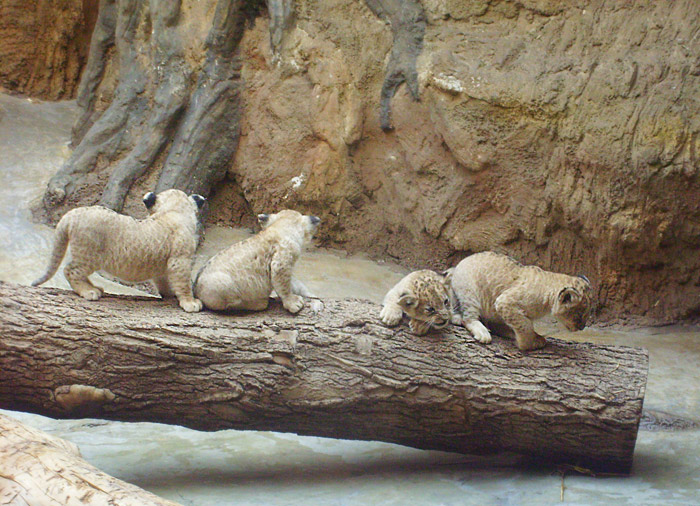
(173, 200)
(573, 306)
(427, 299)
(291, 220)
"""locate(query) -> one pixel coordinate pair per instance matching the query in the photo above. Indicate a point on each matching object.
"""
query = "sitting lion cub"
(160, 247)
(244, 275)
(425, 297)
(500, 291)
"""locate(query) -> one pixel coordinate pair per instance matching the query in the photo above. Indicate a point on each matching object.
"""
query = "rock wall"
(564, 133)
(44, 45)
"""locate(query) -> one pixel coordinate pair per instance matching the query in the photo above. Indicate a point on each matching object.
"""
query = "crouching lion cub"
(425, 297)
(500, 291)
(160, 247)
(244, 275)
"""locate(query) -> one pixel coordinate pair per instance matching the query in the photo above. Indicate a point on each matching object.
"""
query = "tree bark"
(334, 373)
(39, 469)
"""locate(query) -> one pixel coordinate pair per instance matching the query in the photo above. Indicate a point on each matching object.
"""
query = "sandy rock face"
(563, 134)
(44, 45)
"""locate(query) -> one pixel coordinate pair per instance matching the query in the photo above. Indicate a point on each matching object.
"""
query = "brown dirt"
(44, 45)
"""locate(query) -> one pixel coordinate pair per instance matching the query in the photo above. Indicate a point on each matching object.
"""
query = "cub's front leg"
(300, 288)
(281, 274)
(469, 318)
(178, 277)
(391, 312)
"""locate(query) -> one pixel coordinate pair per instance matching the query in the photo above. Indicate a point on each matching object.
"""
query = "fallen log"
(39, 469)
(335, 373)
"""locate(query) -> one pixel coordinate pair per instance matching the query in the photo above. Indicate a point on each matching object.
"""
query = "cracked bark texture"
(337, 373)
(39, 469)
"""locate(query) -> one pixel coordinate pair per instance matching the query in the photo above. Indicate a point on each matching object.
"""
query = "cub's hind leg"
(514, 316)
(163, 287)
(179, 270)
(281, 277)
(77, 275)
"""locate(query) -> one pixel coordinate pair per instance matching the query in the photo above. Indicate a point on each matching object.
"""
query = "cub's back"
(95, 227)
(482, 277)
(252, 254)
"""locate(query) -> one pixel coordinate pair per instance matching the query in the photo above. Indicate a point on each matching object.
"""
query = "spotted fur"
(424, 296)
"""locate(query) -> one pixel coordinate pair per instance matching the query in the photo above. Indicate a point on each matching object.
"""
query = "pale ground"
(253, 468)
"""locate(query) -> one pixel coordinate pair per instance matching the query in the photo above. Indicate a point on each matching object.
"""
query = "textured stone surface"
(562, 133)
(565, 134)
(44, 45)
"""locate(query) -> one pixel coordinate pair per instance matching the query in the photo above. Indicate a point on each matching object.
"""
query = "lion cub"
(160, 247)
(244, 275)
(425, 297)
(500, 291)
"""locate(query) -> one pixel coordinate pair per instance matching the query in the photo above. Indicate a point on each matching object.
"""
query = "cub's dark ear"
(262, 218)
(199, 200)
(149, 200)
(315, 220)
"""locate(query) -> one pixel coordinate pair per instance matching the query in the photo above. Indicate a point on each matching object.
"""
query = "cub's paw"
(391, 315)
(481, 334)
(293, 303)
(456, 319)
(191, 305)
(418, 327)
(316, 306)
(91, 293)
(537, 343)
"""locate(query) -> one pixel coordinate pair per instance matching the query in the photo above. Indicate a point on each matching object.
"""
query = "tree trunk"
(39, 469)
(163, 102)
(334, 373)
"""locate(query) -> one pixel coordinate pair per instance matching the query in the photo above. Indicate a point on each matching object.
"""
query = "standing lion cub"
(244, 275)
(160, 247)
(498, 290)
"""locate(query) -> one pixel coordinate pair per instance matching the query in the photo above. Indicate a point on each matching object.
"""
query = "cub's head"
(573, 305)
(291, 222)
(427, 298)
(173, 200)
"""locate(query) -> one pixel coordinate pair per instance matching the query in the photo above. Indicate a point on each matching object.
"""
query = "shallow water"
(237, 467)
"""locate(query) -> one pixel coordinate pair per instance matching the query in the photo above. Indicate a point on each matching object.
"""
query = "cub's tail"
(59, 250)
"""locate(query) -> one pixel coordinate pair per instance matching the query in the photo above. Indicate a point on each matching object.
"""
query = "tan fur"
(497, 290)
(244, 275)
(424, 296)
(160, 247)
